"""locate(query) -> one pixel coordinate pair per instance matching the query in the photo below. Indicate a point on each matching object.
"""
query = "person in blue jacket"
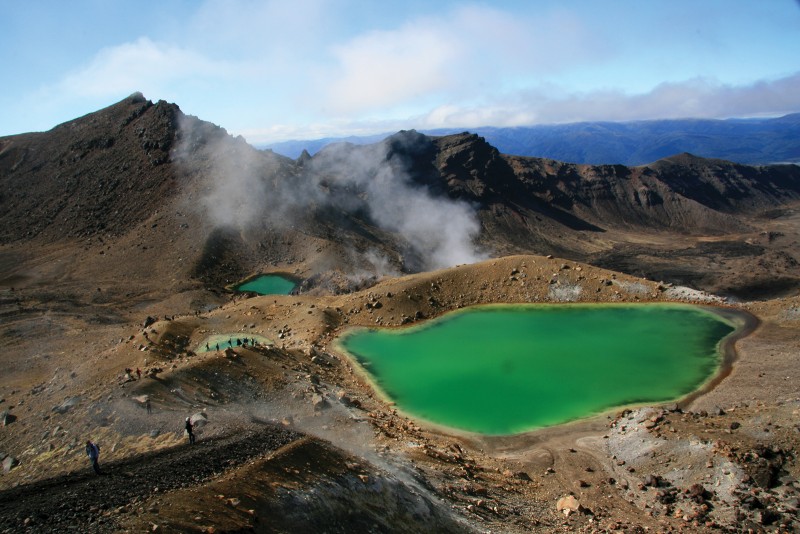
(93, 452)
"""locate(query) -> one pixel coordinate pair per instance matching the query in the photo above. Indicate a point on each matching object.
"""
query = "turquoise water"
(506, 369)
(269, 284)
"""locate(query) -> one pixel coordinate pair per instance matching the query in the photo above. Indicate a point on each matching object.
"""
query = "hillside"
(121, 233)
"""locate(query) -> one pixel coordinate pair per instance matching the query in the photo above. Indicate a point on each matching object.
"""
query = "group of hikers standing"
(240, 342)
(93, 449)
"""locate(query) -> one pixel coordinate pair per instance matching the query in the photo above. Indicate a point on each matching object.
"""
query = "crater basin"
(506, 369)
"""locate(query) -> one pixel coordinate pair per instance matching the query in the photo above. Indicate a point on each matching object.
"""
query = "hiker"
(93, 452)
(189, 430)
(217, 347)
(138, 373)
(147, 405)
(207, 349)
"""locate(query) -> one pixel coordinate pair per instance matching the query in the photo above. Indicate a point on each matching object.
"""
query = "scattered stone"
(344, 398)
(65, 406)
(318, 402)
(652, 481)
(568, 505)
(6, 418)
(698, 493)
(9, 463)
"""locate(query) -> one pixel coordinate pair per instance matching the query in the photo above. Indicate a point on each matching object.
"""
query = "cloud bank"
(697, 98)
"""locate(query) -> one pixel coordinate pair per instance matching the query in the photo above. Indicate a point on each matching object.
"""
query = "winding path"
(77, 501)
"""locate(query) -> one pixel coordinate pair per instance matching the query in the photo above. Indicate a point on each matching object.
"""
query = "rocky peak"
(471, 167)
(304, 158)
(76, 179)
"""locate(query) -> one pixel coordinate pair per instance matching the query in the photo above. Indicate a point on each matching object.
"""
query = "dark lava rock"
(652, 481)
(698, 493)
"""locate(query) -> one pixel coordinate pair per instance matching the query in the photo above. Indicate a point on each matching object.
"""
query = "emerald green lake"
(500, 370)
(269, 284)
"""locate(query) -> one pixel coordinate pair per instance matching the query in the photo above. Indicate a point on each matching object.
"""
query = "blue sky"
(305, 69)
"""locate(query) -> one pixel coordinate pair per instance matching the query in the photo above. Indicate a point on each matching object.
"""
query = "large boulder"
(199, 419)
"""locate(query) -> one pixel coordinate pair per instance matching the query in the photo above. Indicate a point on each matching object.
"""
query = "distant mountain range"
(746, 141)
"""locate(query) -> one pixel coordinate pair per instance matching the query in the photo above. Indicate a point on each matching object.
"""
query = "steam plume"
(372, 182)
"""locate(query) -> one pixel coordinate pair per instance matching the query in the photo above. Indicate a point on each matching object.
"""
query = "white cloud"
(468, 53)
(140, 65)
(387, 68)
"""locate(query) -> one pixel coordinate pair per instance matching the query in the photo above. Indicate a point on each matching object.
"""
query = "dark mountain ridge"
(145, 168)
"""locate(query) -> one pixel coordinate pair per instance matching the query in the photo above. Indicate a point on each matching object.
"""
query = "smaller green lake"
(501, 370)
(269, 284)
